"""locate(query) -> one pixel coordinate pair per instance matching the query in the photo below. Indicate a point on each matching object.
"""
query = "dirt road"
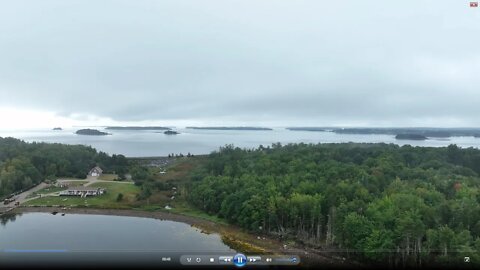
(22, 197)
(92, 180)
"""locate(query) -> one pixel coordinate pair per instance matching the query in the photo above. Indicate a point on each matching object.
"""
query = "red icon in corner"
(473, 4)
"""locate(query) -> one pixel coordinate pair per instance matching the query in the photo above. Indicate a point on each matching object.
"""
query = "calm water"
(149, 143)
(43, 239)
(80, 232)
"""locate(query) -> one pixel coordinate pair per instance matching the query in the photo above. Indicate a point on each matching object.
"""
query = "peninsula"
(417, 137)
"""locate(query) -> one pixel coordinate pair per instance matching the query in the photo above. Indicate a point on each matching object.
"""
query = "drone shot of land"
(252, 134)
(345, 198)
(136, 128)
(231, 128)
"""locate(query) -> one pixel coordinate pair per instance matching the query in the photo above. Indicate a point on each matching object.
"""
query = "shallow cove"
(87, 237)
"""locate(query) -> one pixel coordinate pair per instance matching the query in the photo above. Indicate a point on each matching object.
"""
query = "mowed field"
(108, 200)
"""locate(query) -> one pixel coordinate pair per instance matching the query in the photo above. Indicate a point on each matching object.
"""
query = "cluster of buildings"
(84, 191)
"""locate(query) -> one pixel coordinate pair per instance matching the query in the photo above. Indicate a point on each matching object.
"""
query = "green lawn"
(49, 190)
(108, 200)
(53, 189)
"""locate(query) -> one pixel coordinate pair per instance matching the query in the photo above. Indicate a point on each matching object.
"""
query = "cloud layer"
(279, 62)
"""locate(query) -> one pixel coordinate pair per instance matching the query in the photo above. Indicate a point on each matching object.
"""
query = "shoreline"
(232, 235)
(162, 215)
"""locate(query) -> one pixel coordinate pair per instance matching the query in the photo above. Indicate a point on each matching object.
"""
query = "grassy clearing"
(178, 174)
(49, 190)
(108, 200)
(179, 171)
(53, 189)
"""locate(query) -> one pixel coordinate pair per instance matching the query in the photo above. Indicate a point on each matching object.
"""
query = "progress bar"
(35, 250)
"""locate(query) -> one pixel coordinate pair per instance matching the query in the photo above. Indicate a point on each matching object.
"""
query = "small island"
(89, 131)
(306, 129)
(57, 128)
(136, 128)
(417, 137)
(170, 132)
(230, 128)
(476, 135)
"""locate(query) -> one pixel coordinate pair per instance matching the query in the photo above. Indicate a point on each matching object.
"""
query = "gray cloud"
(280, 62)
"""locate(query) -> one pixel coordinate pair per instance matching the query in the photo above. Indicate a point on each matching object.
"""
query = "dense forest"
(23, 165)
(410, 206)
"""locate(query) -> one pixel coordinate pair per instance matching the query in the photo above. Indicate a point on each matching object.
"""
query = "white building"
(96, 171)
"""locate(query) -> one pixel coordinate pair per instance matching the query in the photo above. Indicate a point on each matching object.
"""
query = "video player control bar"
(239, 260)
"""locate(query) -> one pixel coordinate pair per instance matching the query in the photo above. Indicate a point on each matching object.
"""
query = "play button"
(240, 260)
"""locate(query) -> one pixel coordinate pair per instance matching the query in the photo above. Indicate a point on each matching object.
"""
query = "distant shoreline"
(427, 132)
(163, 215)
(230, 128)
(136, 128)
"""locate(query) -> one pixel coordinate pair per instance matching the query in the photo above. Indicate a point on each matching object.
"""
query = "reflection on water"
(9, 217)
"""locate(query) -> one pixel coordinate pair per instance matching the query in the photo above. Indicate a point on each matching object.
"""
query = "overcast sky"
(224, 62)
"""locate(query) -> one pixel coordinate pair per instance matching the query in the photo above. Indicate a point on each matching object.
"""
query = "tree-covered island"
(92, 132)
